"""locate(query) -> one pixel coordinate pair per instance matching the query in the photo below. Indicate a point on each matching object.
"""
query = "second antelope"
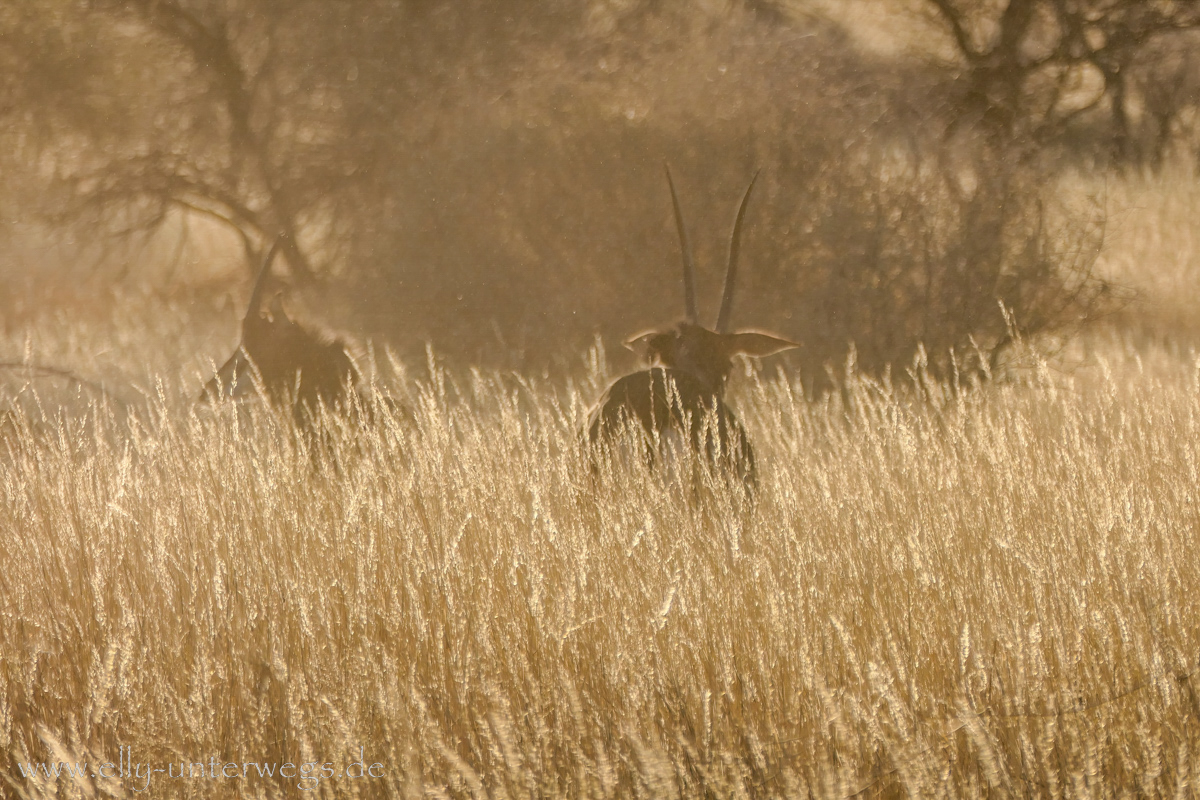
(681, 391)
(296, 368)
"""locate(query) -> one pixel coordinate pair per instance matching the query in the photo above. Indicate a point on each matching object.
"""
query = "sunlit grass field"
(939, 589)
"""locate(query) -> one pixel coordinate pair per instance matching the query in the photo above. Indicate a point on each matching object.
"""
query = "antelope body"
(671, 404)
(680, 395)
(297, 369)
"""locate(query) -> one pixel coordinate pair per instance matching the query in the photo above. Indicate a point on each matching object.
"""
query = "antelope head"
(687, 346)
(292, 362)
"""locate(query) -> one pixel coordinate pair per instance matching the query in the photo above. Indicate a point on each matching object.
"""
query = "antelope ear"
(757, 344)
(647, 344)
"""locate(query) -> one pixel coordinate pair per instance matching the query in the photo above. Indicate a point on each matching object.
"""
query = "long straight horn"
(260, 280)
(689, 267)
(735, 243)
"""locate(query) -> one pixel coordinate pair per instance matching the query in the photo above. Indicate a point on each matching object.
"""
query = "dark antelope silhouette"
(680, 393)
(297, 369)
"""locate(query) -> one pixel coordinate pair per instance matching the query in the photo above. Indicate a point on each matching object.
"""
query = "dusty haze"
(968, 568)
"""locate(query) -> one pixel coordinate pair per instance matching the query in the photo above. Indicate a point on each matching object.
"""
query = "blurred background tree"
(1031, 68)
(488, 175)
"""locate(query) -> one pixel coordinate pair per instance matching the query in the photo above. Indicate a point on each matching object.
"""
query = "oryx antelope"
(296, 368)
(679, 395)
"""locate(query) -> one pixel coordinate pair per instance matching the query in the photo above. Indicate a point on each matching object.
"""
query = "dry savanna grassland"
(948, 583)
(983, 588)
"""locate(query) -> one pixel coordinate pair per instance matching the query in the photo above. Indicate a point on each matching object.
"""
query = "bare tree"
(1025, 60)
(270, 116)
(230, 80)
(171, 108)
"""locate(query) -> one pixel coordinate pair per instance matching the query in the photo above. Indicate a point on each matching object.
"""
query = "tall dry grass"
(939, 590)
(944, 592)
